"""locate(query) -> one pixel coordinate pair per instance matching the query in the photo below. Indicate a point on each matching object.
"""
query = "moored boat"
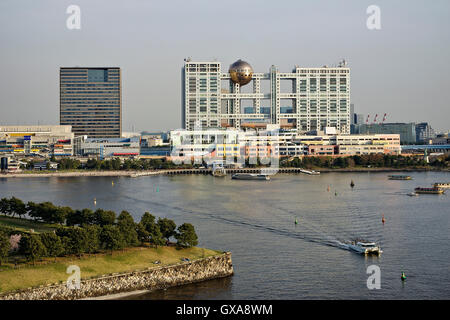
(219, 172)
(250, 176)
(433, 190)
(443, 185)
(399, 177)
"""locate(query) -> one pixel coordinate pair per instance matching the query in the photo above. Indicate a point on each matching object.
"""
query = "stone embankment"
(153, 278)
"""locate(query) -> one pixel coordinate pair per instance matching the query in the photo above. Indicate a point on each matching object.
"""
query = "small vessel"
(219, 172)
(365, 247)
(312, 172)
(352, 184)
(382, 219)
(399, 177)
(443, 185)
(413, 194)
(296, 221)
(250, 176)
(432, 190)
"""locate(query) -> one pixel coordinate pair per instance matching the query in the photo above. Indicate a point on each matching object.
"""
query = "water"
(273, 258)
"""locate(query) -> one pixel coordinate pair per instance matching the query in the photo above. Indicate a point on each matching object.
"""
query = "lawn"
(25, 225)
(50, 271)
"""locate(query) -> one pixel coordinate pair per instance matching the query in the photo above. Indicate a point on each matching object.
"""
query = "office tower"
(91, 101)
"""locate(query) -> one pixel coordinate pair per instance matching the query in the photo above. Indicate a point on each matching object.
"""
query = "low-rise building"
(107, 147)
(45, 140)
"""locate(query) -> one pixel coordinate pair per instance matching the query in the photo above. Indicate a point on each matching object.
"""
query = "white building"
(315, 97)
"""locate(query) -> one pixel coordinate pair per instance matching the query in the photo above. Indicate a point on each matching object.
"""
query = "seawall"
(150, 279)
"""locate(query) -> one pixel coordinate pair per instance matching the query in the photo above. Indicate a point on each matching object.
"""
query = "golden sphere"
(241, 72)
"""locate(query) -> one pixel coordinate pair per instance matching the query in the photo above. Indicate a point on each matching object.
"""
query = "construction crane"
(367, 120)
(375, 119)
(384, 118)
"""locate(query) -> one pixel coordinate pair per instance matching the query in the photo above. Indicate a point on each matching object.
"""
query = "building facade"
(91, 101)
(44, 140)
(424, 132)
(107, 147)
(407, 131)
(305, 99)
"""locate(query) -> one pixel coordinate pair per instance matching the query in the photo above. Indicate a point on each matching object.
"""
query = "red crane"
(375, 119)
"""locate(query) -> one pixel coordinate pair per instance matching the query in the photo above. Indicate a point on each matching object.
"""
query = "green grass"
(49, 271)
(25, 224)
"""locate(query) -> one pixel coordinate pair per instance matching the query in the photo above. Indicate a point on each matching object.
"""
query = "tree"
(74, 239)
(5, 207)
(52, 243)
(33, 210)
(87, 216)
(111, 238)
(92, 238)
(74, 218)
(147, 219)
(143, 235)
(155, 235)
(32, 247)
(102, 217)
(186, 236)
(127, 227)
(17, 207)
(167, 227)
(4, 247)
(59, 215)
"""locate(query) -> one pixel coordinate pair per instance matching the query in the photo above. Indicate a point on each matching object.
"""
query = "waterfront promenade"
(140, 173)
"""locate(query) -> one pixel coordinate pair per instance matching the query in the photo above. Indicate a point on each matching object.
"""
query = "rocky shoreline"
(122, 284)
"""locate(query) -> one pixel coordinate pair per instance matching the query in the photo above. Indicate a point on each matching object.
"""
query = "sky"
(402, 69)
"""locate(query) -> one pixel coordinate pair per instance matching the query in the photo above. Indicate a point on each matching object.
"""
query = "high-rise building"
(424, 132)
(91, 101)
(306, 99)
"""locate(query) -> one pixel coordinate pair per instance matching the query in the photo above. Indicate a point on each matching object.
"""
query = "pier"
(228, 171)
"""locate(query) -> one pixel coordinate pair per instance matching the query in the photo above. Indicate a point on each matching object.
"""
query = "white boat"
(250, 176)
(365, 247)
(442, 185)
(413, 194)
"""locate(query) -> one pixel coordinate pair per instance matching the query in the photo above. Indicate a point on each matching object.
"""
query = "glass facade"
(91, 101)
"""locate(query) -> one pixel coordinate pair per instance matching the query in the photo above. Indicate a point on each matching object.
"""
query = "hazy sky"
(402, 69)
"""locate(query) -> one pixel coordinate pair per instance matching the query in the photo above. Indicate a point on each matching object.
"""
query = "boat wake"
(307, 231)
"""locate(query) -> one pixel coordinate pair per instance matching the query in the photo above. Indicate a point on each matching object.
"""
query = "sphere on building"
(240, 72)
